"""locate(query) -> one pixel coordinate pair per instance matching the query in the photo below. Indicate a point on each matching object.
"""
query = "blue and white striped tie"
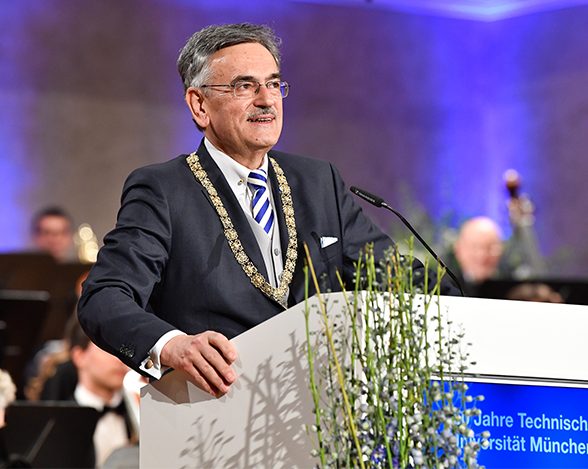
(260, 205)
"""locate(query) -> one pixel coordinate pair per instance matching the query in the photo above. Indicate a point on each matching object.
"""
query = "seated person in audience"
(52, 232)
(7, 396)
(52, 359)
(58, 376)
(99, 385)
(478, 251)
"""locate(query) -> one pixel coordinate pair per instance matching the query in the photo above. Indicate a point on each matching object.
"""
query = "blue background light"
(397, 94)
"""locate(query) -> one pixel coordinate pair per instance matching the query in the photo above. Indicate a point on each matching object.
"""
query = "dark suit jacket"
(167, 264)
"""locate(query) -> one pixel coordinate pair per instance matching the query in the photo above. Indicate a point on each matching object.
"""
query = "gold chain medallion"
(278, 294)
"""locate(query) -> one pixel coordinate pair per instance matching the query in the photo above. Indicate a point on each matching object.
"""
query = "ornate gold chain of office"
(278, 294)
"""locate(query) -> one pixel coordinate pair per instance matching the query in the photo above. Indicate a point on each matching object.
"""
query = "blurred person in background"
(53, 355)
(7, 396)
(98, 383)
(478, 251)
(52, 232)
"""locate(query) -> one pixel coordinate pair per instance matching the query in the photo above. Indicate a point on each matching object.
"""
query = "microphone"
(379, 202)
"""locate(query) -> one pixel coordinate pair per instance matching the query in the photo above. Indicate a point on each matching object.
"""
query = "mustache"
(262, 111)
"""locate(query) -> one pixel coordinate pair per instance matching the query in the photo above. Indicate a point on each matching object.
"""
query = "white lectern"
(261, 422)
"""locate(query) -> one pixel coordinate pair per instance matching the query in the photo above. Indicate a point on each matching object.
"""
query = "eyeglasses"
(249, 88)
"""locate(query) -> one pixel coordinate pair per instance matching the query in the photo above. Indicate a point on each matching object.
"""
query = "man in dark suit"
(209, 245)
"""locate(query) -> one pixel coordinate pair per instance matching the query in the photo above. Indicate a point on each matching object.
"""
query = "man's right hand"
(205, 357)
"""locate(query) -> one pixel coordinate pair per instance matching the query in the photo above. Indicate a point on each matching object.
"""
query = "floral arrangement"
(380, 376)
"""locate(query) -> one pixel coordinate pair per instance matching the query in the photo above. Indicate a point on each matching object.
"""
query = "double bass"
(523, 250)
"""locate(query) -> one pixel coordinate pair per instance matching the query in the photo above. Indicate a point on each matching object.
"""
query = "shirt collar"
(231, 169)
(84, 397)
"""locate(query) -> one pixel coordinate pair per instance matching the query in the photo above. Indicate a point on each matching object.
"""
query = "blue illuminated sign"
(532, 426)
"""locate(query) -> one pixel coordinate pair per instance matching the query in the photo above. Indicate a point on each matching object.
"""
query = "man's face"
(54, 236)
(243, 128)
(478, 252)
(98, 370)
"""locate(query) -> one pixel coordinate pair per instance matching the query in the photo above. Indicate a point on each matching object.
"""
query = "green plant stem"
(313, 387)
(380, 368)
(340, 377)
(374, 374)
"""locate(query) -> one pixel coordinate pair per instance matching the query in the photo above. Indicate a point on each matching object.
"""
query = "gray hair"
(194, 59)
(7, 390)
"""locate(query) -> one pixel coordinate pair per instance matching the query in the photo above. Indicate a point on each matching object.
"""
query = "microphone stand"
(379, 202)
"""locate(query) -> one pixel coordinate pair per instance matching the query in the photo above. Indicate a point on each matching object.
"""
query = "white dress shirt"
(111, 429)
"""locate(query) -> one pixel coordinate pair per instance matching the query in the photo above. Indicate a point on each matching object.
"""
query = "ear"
(77, 356)
(195, 101)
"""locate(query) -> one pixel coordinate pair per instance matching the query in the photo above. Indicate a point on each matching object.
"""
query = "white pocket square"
(328, 240)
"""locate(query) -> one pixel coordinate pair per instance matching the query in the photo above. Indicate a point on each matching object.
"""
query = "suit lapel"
(233, 208)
